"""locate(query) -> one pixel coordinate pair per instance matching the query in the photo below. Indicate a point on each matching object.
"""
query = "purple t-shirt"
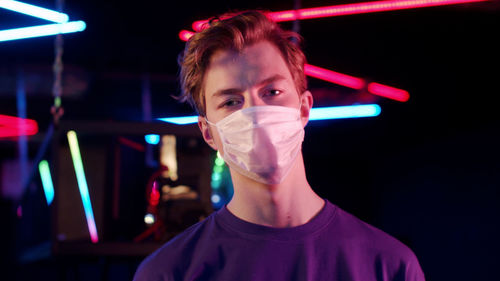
(334, 245)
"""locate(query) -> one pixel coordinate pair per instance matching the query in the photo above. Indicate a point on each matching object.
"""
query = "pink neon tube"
(334, 77)
(11, 126)
(350, 9)
(388, 92)
(356, 83)
(184, 35)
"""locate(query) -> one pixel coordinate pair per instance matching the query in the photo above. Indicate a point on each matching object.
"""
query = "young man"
(246, 79)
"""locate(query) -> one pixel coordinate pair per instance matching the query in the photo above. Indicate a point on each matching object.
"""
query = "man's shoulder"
(372, 245)
(372, 239)
(173, 255)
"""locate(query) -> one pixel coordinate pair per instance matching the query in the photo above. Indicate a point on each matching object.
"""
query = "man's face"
(257, 76)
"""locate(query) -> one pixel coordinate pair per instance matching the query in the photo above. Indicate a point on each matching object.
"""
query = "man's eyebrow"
(271, 79)
(226, 92)
(234, 91)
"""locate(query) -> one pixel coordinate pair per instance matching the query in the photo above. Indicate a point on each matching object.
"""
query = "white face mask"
(262, 142)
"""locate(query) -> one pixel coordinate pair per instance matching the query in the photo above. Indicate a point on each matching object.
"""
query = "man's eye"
(274, 92)
(230, 103)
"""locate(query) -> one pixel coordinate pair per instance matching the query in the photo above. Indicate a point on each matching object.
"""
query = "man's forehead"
(252, 64)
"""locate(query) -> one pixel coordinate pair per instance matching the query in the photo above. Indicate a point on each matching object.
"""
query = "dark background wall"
(425, 171)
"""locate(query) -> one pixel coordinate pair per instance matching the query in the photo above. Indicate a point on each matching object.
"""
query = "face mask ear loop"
(210, 123)
(300, 107)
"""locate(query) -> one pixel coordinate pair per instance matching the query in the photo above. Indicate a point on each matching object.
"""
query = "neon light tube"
(152, 139)
(350, 9)
(48, 186)
(388, 92)
(14, 122)
(360, 8)
(317, 113)
(356, 83)
(341, 112)
(334, 77)
(6, 132)
(82, 184)
(11, 126)
(184, 35)
(41, 30)
(34, 11)
(183, 120)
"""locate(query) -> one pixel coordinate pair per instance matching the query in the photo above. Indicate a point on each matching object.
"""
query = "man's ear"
(205, 132)
(306, 103)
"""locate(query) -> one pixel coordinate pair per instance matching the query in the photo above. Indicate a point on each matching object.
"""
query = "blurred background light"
(152, 139)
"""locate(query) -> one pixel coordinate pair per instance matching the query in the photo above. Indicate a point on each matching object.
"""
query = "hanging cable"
(57, 109)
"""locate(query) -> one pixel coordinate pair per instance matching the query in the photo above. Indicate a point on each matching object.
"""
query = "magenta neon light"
(334, 77)
(356, 83)
(350, 9)
(11, 126)
(184, 35)
(360, 8)
(388, 92)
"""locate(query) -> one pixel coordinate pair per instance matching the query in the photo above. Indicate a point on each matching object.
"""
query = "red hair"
(235, 32)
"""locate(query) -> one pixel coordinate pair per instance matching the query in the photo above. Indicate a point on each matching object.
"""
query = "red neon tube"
(350, 9)
(360, 8)
(388, 92)
(334, 77)
(11, 126)
(184, 35)
(356, 83)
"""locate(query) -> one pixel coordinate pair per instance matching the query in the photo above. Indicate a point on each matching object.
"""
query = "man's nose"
(253, 99)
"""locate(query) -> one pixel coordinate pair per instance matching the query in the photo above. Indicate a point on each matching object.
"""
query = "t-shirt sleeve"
(146, 272)
(414, 271)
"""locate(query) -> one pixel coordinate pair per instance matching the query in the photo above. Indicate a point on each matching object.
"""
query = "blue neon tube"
(48, 186)
(318, 113)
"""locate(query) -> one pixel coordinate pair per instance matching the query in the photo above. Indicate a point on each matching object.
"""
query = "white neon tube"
(34, 11)
(41, 30)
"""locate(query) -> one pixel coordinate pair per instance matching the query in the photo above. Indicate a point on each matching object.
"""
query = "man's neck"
(288, 204)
